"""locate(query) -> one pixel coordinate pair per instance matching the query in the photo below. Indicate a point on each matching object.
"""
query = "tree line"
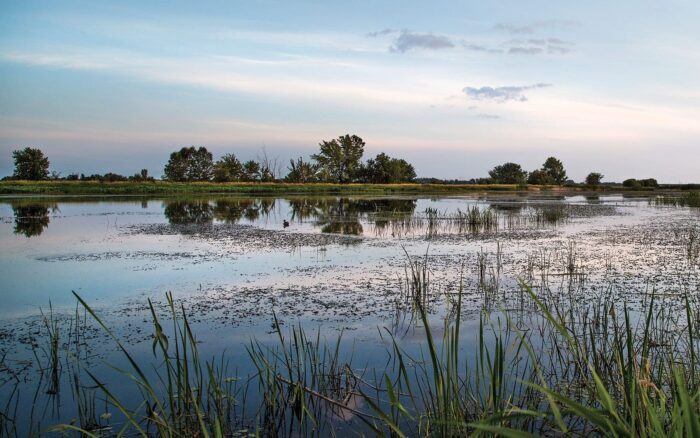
(338, 161)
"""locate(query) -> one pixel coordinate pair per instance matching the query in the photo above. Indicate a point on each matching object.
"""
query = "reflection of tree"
(231, 211)
(343, 215)
(305, 208)
(189, 212)
(332, 215)
(392, 211)
(341, 227)
(204, 211)
(508, 207)
(31, 219)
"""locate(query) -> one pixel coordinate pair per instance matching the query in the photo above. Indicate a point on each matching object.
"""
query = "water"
(329, 263)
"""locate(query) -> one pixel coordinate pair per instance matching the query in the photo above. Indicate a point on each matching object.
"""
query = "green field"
(168, 188)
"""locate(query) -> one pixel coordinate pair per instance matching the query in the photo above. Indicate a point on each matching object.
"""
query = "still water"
(330, 263)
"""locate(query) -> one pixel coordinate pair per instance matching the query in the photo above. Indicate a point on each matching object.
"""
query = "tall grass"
(553, 365)
(690, 199)
(188, 396)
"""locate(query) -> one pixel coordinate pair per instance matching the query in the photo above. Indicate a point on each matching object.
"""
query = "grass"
(173, 188)
(551, 365)
(690, 199)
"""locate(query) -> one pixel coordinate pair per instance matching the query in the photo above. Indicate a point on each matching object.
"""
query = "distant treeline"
(339, 160)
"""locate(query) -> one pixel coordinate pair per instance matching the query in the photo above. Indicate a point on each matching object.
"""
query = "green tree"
(508, 173)
(228, 169)
(649, 182)
(190, 164)
(30, 164)
(139, 177)
(339, 159)
(631, 182)
(539, 177)
(386, 170)
(251, 171)
(555, 169)
(594, 179)
(301, 171)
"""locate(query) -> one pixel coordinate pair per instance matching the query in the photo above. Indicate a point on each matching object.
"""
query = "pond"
(243, 267)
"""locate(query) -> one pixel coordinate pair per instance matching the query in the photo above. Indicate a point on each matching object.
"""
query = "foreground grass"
(170, 188)
(562, 367)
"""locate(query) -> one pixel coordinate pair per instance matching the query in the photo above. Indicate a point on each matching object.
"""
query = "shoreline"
(42, 188)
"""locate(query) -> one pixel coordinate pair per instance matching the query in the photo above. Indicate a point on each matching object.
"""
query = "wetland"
(344, 315)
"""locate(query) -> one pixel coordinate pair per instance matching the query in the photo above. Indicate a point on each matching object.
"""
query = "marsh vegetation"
(374, 316)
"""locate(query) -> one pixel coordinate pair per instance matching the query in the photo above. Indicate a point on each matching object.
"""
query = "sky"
(454, 87)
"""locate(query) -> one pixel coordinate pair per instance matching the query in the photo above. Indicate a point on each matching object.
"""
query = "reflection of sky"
(346, 283)
(455, 87)
(86, 247)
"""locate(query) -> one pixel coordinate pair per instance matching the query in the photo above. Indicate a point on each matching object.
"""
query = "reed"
(554, 365)
(690, 199)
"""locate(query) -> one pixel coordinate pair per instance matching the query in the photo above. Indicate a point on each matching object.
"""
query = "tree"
(228, 169)
(632, 183)
(30, 164)
(508, 173)
(112, 177)
(635, 184)
(649, 182)
(555, 169)
(386, 170)
(141, 176)
(339, 159)
(539, 177)
(301, 171)
(594, 179)
(251, 171)
(270, 168)
(190, 164)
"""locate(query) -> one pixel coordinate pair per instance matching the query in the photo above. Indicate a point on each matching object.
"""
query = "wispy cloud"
(231, 74)
(525, 50)
(502, 94)
(530, 28)
(480, 48)
(408, 40)
(379, 33)
(514, 28)
(536, 46)
(488, 116)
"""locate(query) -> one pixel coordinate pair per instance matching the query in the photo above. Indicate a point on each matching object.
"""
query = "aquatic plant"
(690, 199)
(553, 365)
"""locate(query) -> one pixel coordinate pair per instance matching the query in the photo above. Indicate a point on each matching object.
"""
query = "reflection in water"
(331, 215)
(189, 212)
(344, 215)
(380, 217)
(230, 211)
(32, 219)
(508, 207)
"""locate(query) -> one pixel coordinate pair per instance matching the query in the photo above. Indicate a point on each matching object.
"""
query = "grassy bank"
(171, 188)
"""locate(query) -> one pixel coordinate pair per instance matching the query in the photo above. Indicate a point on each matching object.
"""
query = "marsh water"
(334, 264)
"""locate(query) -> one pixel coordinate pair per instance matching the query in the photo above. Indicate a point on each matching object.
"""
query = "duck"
(285, 223)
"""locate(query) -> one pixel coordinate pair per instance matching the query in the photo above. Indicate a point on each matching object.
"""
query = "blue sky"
(454, 87)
